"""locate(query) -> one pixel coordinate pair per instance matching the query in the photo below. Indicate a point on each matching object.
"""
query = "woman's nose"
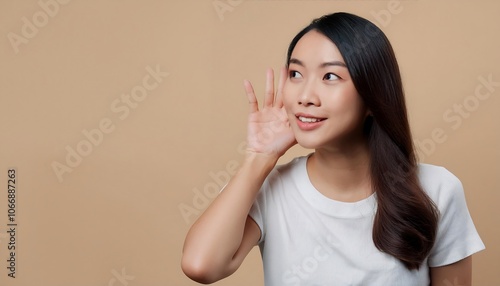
(309, 96)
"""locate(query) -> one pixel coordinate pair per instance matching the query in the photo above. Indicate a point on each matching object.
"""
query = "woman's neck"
(341, 174)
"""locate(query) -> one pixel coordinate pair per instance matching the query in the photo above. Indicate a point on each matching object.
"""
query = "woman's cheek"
(287, 102)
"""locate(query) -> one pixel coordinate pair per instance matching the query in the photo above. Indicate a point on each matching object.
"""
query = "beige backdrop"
(123, 118)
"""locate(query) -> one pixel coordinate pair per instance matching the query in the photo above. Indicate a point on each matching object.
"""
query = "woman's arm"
(455, 274)
(221, 238)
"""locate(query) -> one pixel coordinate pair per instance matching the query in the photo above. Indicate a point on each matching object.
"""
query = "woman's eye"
(331, 76)
(295, 74)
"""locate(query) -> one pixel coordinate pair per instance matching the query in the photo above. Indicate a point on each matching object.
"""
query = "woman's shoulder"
(436, 174)
(294, 163)
(293, 169)
(441, 185)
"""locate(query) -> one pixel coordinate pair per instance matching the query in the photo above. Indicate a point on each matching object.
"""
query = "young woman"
(359, 210)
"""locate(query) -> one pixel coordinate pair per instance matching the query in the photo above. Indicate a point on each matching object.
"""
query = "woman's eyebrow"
(333, 63)
(295, 61)
(326, 64)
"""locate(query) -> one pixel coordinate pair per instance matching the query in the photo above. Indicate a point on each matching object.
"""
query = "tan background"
(119, 210)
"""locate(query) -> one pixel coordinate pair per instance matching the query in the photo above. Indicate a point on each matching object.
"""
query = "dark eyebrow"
(332, 63)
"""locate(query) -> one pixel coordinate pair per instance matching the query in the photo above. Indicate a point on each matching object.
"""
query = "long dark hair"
(405, 224)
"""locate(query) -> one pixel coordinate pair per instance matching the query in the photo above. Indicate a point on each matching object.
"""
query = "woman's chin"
(307, 143)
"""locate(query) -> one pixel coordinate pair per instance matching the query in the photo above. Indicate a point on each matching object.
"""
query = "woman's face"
(323, 106)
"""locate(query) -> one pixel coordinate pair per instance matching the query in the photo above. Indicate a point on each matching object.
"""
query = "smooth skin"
(317, 83)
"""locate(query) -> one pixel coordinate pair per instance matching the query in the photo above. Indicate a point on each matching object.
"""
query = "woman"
(359, 210)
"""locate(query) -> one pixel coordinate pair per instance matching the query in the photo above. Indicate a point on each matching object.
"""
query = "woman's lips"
(308, 122)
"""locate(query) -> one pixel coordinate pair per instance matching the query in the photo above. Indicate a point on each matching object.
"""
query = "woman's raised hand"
(269, 131)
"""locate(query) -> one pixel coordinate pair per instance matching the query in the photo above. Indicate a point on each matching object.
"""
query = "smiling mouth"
(309, 119)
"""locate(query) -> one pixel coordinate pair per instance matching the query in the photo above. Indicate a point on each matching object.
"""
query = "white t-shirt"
(309, 239)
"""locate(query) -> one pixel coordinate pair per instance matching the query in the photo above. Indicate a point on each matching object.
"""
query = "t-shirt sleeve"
(457, 237)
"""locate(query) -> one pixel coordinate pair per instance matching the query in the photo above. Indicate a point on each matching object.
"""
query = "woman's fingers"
(252, 100)
(281, 84)
(269, 96)
(269, 99)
